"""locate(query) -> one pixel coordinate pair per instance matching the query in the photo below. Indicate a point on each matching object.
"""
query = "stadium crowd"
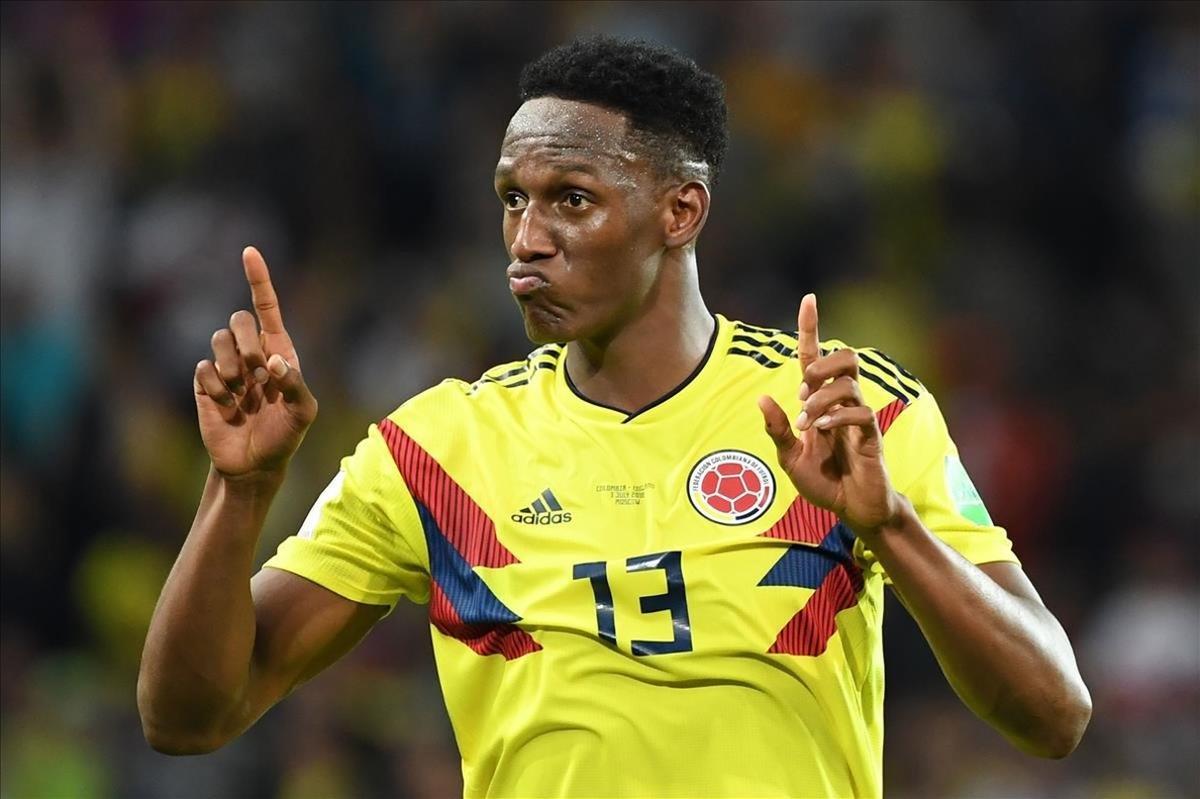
(1004, 197)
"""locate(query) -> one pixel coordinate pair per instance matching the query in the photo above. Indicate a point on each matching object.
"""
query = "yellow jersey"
(638, 605)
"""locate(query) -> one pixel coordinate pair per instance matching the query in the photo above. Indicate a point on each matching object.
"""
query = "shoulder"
(769, 347)
(515, 374)
(499, 387)
(883, 379)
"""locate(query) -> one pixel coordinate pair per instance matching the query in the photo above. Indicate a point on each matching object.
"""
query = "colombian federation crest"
(731, 487)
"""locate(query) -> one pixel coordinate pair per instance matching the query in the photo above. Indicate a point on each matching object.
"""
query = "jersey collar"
(666, 405)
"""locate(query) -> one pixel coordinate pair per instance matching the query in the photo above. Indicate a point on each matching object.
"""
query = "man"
(633, 590)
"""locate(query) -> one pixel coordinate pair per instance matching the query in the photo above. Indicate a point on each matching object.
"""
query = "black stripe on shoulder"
(865, 356)
(524, 367)
(552, 351)
(542, 358)
(522, 373)
(484, 381)
(746, 327)
(777, 346)
(758, 357)
(903, 376)
(884, 384)
(896, 364)
(787, 337)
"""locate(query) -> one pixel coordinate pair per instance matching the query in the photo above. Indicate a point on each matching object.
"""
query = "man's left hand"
(835, 455)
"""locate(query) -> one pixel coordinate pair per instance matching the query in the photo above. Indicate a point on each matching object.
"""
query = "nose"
(532, 241)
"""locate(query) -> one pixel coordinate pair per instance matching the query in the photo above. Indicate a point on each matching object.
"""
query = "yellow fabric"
(723, 717)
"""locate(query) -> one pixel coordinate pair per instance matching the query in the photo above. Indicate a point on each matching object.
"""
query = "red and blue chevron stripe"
(460, 537)
(828, 567)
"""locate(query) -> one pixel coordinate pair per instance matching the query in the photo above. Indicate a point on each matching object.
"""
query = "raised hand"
(251, 399)
(836, 460)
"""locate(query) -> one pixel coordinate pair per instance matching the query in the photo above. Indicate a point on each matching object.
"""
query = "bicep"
(301, 628)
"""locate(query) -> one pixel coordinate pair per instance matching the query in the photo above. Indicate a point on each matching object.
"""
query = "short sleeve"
(923, 464)
(363, 538)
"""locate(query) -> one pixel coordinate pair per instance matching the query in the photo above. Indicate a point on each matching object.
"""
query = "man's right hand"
(251, 399)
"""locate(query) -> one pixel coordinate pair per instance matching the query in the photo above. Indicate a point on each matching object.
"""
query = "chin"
(544, 334)
(545, 326)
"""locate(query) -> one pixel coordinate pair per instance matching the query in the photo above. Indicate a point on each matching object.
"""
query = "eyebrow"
(504, 171)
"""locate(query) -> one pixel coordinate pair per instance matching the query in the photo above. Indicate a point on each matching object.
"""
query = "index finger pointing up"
(808, 348)
(266, 304)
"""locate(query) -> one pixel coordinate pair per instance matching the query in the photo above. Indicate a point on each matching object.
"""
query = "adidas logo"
(543, 510)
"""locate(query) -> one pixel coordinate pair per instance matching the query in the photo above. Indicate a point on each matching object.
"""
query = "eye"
(574, 199)
(514, 201)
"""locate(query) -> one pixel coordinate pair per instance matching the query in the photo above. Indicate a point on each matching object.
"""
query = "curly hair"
(675, 108)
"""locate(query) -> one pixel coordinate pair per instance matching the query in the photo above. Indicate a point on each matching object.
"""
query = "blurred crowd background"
(1003, 196)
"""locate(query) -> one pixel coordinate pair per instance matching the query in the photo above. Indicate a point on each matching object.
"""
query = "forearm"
(1005, 655)
(196, 665)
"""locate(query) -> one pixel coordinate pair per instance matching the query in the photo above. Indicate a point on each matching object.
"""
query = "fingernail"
(260, 374)
(802, 420)
(227, 401)
(803, 391)
(278, 366)
(824, 421)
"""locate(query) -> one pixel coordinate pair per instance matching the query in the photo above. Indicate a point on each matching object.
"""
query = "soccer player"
(633, 589)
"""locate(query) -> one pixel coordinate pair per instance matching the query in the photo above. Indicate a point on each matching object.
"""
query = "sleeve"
(363, 538)
(923, 464)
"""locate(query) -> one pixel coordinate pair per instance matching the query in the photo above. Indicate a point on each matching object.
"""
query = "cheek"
(605, 241)
(508, 232)
(590, 233)
(630, 246)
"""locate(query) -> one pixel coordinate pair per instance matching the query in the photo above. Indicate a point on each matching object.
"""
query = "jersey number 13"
(674, 600)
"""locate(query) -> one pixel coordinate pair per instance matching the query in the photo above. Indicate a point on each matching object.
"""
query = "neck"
(651, 353)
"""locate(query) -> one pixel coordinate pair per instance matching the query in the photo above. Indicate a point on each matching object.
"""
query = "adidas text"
(558, 517)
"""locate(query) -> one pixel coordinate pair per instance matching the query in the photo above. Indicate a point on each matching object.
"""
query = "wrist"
(251, 486)
(896, 518)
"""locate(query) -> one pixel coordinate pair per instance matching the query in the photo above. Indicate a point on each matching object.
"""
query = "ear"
(685, 212)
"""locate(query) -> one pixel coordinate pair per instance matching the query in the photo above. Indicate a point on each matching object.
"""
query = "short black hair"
(667, 98)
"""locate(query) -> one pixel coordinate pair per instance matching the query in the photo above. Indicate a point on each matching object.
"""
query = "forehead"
(549, 129)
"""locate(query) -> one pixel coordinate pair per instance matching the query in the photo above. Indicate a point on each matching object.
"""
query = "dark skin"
(1004, 653)
(603, 256)
(613, 244)
(223, 646)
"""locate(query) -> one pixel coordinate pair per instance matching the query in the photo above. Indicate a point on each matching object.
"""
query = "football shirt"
(638, 605)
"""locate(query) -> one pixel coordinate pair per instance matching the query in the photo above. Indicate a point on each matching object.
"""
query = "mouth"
(524, 280)
(543, 315)
(526, 285)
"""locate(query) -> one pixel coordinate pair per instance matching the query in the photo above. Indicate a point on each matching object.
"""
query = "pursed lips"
(524, 280)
